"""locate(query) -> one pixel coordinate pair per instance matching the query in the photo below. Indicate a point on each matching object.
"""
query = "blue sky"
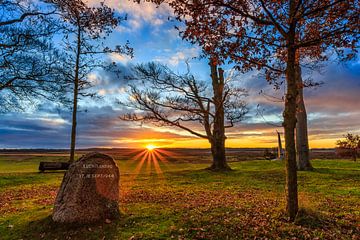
(333, 108)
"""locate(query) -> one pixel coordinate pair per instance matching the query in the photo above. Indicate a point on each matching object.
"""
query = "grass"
(187, 202)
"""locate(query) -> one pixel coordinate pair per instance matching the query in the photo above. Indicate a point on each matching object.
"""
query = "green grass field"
(187, 202)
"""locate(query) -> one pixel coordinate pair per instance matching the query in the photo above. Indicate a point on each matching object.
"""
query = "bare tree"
(84, 33)
(169, 99)
(28, 60)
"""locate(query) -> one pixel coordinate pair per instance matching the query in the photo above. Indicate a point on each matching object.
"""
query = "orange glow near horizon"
(263, 139)
(244, 142)
(153, 137)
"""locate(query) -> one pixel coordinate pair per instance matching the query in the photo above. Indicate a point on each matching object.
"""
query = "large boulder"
(89, 191)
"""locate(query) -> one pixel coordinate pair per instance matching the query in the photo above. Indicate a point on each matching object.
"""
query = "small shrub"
(348, 147)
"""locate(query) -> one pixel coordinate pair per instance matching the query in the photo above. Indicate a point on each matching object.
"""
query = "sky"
(333, 108)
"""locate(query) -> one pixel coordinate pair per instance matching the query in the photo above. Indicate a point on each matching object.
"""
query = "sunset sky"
(333, 109)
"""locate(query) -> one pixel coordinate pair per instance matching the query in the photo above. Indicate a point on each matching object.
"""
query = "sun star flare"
(150, 147)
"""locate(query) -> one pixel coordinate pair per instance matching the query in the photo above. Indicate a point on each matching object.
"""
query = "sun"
(150, 147)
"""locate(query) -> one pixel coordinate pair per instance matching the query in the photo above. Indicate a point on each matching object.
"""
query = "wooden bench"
(53, 166)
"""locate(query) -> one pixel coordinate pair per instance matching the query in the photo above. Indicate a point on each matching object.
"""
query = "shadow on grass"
(337, 174)
(140, 224)
(334, 170)
(311, 219)
(46, 228)
(269, 180)
(209, 222)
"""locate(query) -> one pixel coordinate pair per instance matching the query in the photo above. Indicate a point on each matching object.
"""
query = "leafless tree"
(84, 32)
(177, 100)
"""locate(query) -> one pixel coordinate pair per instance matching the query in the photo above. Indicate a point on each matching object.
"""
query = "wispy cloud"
(180, 56)
(139, 13)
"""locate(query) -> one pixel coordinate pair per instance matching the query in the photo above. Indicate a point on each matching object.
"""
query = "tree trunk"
(302, 142)
(280, 149)
(217, 139)
(75, 97)
(74, 122)
(289, 127)
(219, 156)
(354, 155)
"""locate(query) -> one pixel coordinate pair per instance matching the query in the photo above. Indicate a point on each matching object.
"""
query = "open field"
(183, 201)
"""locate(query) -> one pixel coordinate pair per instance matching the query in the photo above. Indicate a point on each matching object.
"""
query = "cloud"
(340, 92)
(333, 108)
(97, 127)
(139, 13)
(109, 84)
(119, 58)
(179, 57)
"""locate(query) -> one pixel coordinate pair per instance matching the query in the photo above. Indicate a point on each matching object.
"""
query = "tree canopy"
(273, 36)
(28, 58)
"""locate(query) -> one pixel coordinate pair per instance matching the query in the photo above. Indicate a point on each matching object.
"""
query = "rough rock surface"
(89, 191)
